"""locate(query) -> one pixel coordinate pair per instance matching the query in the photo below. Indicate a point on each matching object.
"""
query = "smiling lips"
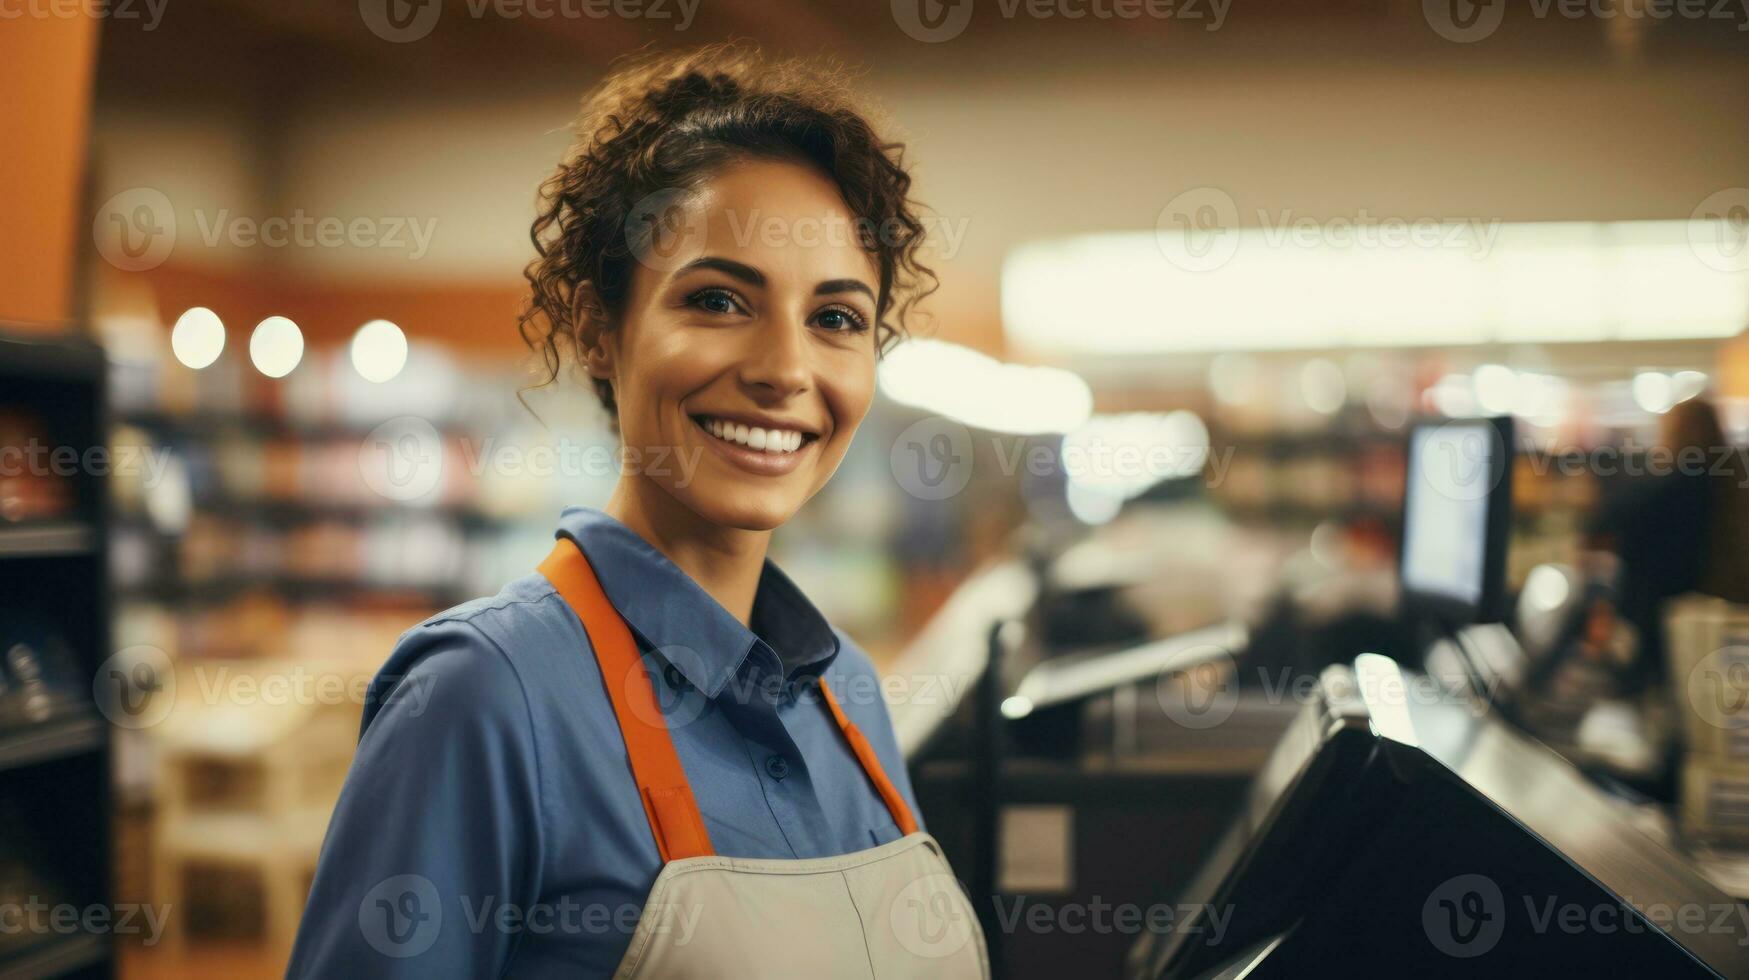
(775, 442)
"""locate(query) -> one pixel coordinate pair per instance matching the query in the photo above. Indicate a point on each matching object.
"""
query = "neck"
(725, 561)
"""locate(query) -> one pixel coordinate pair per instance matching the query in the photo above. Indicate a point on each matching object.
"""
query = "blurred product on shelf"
(1709, 678)
(30, 490)
(39, 674)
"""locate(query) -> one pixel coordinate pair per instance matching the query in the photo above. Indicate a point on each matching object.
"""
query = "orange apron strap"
(667, 797)
(871, 764)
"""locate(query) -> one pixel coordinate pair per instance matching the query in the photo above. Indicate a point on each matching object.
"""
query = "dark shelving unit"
(55, 773)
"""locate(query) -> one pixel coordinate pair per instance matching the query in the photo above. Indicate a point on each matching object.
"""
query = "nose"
(777, 365)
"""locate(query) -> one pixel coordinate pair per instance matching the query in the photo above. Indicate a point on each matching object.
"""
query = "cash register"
(1402, 828)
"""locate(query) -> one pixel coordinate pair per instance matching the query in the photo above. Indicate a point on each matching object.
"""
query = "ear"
(594, 346)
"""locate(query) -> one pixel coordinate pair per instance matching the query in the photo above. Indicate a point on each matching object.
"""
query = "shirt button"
(671, 674)
(778, 766)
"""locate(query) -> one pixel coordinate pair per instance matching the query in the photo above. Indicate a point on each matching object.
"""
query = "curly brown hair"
(665, 122)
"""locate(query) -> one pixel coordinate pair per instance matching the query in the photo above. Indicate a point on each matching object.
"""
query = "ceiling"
(269, 52)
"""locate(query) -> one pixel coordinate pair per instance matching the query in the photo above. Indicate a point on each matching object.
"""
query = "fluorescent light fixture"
(1120, 456)
(1120, 293)
(979, 391)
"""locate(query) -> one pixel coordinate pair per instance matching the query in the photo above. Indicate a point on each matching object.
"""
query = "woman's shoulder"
(482, 650)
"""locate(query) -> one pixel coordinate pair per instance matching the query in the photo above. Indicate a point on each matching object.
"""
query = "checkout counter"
(1380, 821)
(1391, 835)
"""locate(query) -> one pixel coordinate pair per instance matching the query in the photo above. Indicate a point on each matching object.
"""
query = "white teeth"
(774, 441)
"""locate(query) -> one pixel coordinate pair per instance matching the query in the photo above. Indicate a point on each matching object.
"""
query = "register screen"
(1451, 473)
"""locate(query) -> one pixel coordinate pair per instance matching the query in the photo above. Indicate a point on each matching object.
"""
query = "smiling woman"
(658, 728)
(779, 253)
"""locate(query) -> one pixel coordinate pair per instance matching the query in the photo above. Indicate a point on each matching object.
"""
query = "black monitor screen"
(1456, 501)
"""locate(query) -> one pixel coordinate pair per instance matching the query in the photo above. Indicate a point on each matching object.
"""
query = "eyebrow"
(831, 286)
(739, 270)
(753, 277)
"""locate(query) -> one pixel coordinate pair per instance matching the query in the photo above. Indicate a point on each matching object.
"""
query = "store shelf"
(50, 740)
(297, 510)
(56, 957)
(207, 424)
(291, 588)
(50, 358)
(47, 540)
(54, 774)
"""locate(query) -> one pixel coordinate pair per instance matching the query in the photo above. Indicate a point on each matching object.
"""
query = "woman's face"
(745, 358)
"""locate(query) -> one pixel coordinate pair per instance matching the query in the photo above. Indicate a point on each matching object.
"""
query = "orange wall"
(45, 70)
(468, 317)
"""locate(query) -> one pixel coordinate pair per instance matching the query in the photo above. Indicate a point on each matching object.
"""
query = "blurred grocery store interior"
(1206, 279)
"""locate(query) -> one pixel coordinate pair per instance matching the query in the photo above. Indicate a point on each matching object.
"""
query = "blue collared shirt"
(490, 826)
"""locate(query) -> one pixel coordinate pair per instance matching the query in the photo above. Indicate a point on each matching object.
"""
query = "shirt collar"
(682, 622)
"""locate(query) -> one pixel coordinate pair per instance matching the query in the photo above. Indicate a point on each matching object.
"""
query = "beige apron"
(887, 912)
